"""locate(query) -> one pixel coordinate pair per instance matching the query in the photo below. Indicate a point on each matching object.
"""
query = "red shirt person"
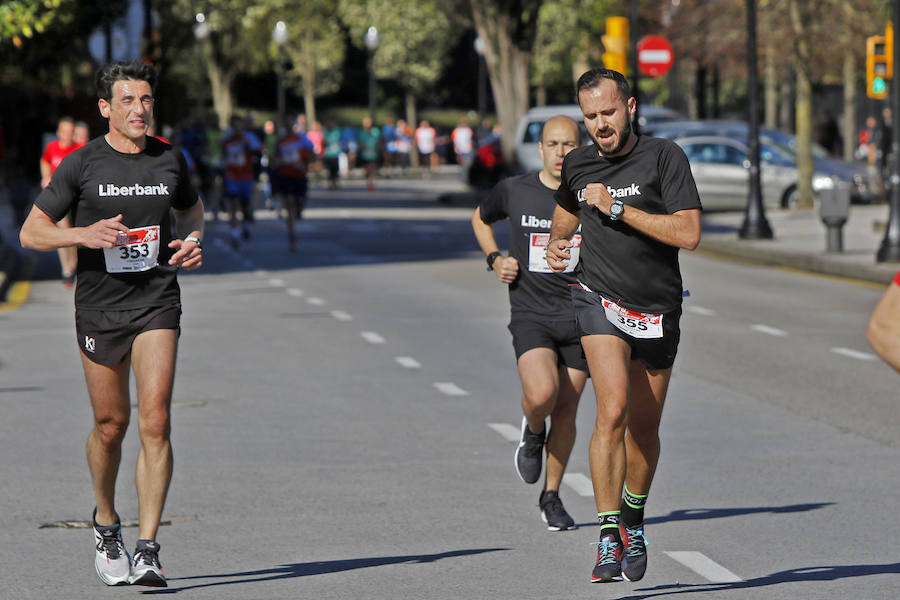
(58, 149)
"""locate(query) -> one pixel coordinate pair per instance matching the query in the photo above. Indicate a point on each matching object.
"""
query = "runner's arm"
(505, 267)
(39, 232)
(680, 229)
(883, 331)
(564, 226)
(188, 223)
(45, 173)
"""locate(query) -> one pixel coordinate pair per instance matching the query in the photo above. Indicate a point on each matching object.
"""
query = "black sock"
(633, 508)
(609, 525)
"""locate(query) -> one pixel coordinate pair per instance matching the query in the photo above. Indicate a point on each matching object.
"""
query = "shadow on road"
(698, 514)
(294, 570)
(798, 575)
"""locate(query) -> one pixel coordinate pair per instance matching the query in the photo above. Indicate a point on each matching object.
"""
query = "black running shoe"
(554, 513)
(145, 567)
(530, 454)
(634, 562)
(608, 567)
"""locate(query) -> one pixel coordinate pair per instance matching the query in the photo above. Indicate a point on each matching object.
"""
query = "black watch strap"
(491, 258)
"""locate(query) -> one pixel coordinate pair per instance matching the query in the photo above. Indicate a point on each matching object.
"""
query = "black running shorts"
(106, 336)
(560, 336)
(654, 353)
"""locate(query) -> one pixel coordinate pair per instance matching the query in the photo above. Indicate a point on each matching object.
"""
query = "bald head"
(561, 122)
(559, 137)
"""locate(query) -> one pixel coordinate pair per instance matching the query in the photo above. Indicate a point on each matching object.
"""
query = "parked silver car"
(866, 187)
(720, 166)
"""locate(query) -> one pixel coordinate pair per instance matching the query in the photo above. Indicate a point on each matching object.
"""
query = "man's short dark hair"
(66, 120)
(594, 77)
(109, 74)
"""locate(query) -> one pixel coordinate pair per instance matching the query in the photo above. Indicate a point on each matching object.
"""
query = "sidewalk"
(800, 240)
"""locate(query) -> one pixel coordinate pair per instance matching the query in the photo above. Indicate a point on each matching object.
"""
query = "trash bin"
(834, 210)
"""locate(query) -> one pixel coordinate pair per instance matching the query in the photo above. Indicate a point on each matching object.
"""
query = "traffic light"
(615, 44)
(877, 66)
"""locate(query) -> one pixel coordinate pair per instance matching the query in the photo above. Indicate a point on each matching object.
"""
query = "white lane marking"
(372, 337)
(341, 315)
(276, 282)
(295, 292)
(408, 362)
(315, 301)
(262, 272)
(853, 353)
(450, 389)
(510, 432)
(699, 310)
(704, 566)
(768, 330)
(580, 483)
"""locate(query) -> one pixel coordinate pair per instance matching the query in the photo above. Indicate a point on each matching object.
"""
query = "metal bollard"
(834, 210)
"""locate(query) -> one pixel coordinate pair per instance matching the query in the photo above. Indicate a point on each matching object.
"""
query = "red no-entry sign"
(654, 55)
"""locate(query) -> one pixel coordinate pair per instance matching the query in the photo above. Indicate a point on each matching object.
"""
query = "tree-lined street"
(343, 416)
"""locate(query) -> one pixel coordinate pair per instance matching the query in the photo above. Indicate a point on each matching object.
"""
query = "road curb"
(827, 264)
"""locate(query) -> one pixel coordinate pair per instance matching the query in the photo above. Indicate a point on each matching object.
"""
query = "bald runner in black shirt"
(551, 364)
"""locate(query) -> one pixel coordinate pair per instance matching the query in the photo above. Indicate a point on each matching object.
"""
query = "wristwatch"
(616, 210)
(491, 258)
(195, 239)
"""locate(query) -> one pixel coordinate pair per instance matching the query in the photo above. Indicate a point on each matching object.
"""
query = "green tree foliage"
(24, 18)
(415, 39)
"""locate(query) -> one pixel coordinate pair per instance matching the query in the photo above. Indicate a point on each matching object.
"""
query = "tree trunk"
(411, 120)
(223, 101)
(308, 72)
(700, 91)
(771, 89)
(508, 39)
(849, 120)
(805, 195)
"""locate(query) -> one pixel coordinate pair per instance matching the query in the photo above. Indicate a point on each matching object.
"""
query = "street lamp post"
(201, 32)
(280, 36)
(372, 41)
(482, 85)
(755, 225)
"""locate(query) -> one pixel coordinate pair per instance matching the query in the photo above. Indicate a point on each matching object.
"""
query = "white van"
(528, 132)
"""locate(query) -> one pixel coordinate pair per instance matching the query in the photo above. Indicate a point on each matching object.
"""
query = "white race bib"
(135, 251)
(636, 324)
(537, 253)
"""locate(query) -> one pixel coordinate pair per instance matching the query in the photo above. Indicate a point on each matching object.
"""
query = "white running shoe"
(145, 567)
(111, 560)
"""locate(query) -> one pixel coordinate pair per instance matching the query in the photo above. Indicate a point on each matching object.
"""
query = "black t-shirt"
(617, 261)
(528, 204)
(97, 182)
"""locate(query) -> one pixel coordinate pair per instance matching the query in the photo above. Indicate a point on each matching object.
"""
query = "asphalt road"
(342, 425)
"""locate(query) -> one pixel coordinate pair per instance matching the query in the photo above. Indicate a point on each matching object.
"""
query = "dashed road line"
(580, 483)
(450, 389)
(261, 272)
(768, 330)
(276, 282)
(849, 352)
(510, 432)
(408, 362)
(295, 292)
(315, 301)
(341, 315)
(704, 566)
(699, 310)
(372, 337)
